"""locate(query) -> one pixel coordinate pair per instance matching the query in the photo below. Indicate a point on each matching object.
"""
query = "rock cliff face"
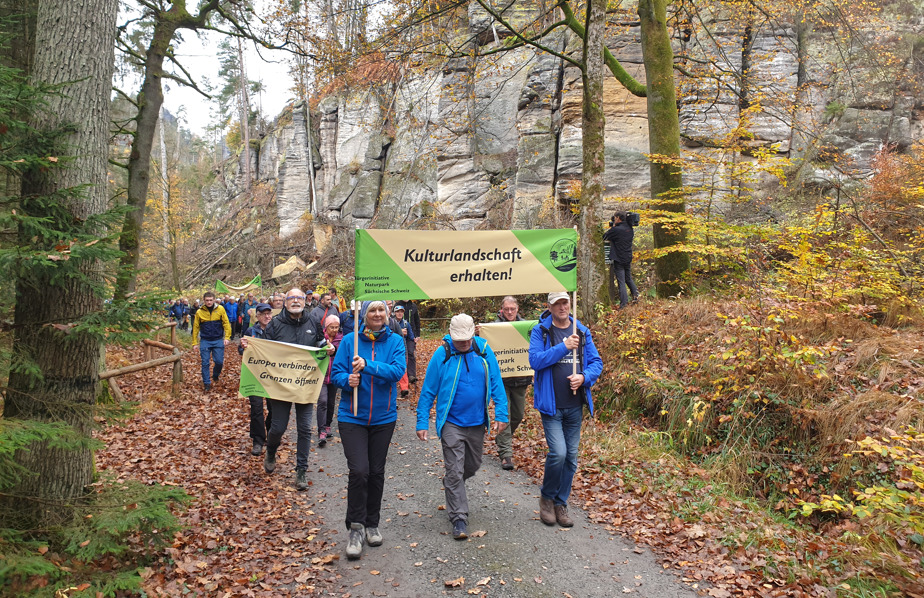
(496, 141)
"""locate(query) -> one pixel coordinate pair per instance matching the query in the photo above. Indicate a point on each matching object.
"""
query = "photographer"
(620, 236)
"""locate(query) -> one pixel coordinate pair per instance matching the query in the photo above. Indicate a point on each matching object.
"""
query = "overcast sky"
(199, 55)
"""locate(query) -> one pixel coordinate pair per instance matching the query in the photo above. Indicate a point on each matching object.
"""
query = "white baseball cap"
(556, 297)
(461, 327)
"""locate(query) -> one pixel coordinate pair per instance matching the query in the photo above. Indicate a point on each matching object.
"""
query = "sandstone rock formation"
(455, 143)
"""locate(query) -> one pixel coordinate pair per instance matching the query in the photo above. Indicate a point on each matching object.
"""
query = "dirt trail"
(516, 556)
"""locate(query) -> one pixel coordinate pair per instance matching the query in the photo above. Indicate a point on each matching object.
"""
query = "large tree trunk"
(663, 140)
(150, 99)
(593, 145)
(74, 46)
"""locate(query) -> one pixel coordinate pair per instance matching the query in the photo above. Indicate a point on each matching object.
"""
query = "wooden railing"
(149, 346)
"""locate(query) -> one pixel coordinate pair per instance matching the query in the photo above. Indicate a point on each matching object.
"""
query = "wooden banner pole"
(574, 356)
(355, 353)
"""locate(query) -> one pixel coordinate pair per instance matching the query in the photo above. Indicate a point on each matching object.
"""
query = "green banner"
(256, 283)
(411, 264)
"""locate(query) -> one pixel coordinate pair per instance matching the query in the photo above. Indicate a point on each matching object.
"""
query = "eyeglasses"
(295, 298)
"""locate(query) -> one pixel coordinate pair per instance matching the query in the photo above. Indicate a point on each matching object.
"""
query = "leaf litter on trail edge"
(234, 523)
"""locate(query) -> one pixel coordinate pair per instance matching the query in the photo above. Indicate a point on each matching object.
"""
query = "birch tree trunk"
(663, 140)
(245, 116)
(74, 47)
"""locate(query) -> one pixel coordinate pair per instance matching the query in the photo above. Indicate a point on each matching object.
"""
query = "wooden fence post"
(177, 373)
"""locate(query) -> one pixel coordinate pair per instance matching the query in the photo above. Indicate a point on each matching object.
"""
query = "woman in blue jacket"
(366, 435)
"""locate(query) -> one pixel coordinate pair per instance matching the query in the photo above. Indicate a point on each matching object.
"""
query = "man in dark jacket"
(291, 326)
(259, 426)
(516, 392)
(620, 236)
(412, 315)
(325, 308)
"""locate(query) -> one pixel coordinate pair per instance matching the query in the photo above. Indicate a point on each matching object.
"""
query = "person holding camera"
(620, 236)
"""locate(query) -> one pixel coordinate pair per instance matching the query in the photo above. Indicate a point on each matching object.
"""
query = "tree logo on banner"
(563, 255)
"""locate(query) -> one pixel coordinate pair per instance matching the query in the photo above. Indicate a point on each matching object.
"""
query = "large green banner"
(411, 264)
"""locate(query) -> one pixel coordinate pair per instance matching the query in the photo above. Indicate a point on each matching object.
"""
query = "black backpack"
(448, 350)
(632, 219)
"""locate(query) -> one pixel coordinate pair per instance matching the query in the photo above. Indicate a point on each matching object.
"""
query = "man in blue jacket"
(560, 395)
(462, 378)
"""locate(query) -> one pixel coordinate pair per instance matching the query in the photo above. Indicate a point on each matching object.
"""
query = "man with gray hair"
(462, 378)
(567, 364)
(515, 387)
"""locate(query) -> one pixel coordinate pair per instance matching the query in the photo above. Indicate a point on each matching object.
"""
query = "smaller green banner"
(282, 371)
(255, 283)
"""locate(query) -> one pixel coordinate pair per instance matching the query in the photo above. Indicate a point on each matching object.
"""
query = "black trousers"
(259, 427)
(365, 449)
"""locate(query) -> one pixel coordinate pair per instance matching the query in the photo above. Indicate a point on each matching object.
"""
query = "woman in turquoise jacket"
(366, 435)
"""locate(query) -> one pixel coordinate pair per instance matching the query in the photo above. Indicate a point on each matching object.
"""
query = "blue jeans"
(216, 351)
(563, 435)
(280, 411)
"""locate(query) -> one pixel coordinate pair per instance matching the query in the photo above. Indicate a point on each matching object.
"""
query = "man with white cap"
(462, 378)
(559, 394)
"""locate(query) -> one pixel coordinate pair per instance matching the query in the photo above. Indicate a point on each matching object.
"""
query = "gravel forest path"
(509, 551)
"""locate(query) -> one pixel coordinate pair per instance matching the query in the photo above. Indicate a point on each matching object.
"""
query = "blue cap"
(263, 307)
(397, 307)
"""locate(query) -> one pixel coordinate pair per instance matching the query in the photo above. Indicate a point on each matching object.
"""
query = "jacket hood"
(501, 318)
(477, 340)
(546, 319)
(286, 317)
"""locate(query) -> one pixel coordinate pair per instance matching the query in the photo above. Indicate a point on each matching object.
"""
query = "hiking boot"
(459, 530)
(208, 387)
(322, 439)
(546, 511)
(257, 448)
(404, 393)
(301, 479)
(269, 460)
(507, 463)
(373, 536)
(562, 516)
(329, 432)
(354, 547)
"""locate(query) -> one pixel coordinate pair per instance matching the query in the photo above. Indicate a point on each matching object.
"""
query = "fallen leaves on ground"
(247, 533)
